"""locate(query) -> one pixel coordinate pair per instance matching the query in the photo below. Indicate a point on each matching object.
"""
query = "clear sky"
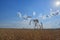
(41, 8)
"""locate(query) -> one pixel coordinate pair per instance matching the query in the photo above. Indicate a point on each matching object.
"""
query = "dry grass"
(29, 34)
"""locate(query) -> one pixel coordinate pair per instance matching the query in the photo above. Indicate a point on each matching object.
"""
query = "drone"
(35, 21)
(37, 24)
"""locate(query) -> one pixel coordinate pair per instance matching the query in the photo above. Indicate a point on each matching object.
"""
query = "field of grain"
(29, 34)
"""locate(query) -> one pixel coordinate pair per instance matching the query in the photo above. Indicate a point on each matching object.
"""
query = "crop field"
(29, 34)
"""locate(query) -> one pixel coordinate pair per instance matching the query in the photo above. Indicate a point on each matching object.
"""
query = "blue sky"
(10, 8)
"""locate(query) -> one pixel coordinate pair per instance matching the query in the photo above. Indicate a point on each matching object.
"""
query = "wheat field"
(29, 34)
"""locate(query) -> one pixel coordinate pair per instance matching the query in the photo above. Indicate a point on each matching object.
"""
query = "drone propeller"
(57, 12)
(34, 13)
(51, 12)
(26, 17)
(54, 13)
(19, 14)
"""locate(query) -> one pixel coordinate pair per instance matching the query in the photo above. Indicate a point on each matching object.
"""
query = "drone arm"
(30, 22)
